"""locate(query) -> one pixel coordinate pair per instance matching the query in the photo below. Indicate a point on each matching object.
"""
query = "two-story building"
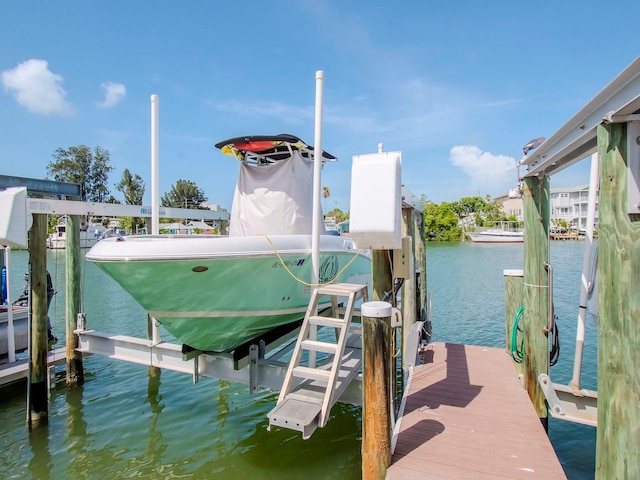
(566, 203)
(570, 204)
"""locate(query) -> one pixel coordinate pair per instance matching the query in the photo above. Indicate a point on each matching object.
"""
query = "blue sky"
(458, 87)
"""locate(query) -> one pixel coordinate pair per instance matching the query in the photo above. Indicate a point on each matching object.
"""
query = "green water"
(127, 422)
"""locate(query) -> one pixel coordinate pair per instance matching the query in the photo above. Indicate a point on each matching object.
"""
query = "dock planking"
(467, 416)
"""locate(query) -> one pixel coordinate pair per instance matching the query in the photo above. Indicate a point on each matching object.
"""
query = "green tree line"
(90, 169)
(444, 222)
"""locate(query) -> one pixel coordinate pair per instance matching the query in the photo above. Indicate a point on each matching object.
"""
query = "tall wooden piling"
(513, 293)
(377, 353)
(381, 273)
(38, 413)
(536, 289)
(75, 373)
(618, 435)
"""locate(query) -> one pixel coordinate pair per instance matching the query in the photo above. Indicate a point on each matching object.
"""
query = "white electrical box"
(15, 222)
(376, 200)
(633, 168)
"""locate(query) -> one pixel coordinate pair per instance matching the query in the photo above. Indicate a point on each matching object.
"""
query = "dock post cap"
(376, 309)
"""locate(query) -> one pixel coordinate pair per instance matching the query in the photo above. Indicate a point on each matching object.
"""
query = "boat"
(501, 233)
(216, 293)
(89, 236)
(20, 330)
(20, 311)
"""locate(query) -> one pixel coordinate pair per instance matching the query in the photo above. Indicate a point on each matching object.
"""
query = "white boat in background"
(88, 237)
(215, 293)
(500, 233)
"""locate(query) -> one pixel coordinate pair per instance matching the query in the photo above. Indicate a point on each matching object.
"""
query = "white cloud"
(484, 168)
(114, 92)
(289, 113)
(36, 88)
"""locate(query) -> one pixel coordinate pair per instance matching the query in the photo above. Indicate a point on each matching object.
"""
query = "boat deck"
(18, 370)
(467, 416)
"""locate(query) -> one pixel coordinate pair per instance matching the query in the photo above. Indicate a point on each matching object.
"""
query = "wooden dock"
(467, 416)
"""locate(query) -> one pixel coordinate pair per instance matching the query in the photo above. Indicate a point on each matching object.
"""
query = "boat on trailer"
(215, 293)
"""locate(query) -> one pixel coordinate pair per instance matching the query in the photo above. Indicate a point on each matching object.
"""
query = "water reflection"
(155, 445)
(76, 430)
(41, 462)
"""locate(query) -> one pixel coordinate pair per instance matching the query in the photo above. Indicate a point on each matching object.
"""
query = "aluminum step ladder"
(309, 391)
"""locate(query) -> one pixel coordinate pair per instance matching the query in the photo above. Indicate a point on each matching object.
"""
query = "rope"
(517, 349)
(282, 262)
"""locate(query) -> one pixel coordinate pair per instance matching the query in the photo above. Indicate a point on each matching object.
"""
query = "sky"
(458, 87)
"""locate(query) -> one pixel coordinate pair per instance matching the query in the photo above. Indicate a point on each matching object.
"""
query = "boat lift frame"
(262, 367)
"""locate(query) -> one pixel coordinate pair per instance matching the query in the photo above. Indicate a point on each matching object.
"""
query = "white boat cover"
(274, 199)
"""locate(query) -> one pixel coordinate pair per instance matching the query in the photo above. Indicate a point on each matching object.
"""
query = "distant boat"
(501, 233)
(215, 293)
(88, 237)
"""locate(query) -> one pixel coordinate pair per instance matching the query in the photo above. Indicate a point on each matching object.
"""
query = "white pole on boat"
(155, 195)
(317, 168)
(317, 180)
(155, 191)
(586, 264)
(11, 339)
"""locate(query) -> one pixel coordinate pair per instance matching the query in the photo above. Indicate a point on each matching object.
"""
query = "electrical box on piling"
(376, 201)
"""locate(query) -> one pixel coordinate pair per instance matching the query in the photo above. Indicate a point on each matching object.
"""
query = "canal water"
(127, 422)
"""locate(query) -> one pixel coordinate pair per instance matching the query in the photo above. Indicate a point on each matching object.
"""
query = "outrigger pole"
(317, 168)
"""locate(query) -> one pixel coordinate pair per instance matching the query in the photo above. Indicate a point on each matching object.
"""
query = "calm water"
(126, 422)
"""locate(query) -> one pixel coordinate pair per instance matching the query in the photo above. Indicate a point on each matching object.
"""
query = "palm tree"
(325, 194)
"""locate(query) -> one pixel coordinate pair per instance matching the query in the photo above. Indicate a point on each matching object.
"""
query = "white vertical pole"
(155, 191)
(155, 195)
(11, 339)
(317, 180)
(317, 167)
(586, 264)
(380, 148)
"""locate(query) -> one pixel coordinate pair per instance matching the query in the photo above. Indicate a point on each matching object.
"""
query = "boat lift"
(618, 102)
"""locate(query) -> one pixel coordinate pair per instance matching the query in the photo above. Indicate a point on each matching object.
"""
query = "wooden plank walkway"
(467, 416)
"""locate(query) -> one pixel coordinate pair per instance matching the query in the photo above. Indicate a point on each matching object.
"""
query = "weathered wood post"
(75, 373)
(376, 372)
(513, 293)
(618, 435)
(382, 279)
(38, 412)
(536, 289)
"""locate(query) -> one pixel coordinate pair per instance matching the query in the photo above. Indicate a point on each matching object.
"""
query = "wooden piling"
(513, 298)
(536, 290)
(38, 412)
(618, 433)
(75, 372)
(381, 273)
(377, 353)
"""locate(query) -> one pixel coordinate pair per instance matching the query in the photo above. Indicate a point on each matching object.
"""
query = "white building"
(570, 204)
(567, 203)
